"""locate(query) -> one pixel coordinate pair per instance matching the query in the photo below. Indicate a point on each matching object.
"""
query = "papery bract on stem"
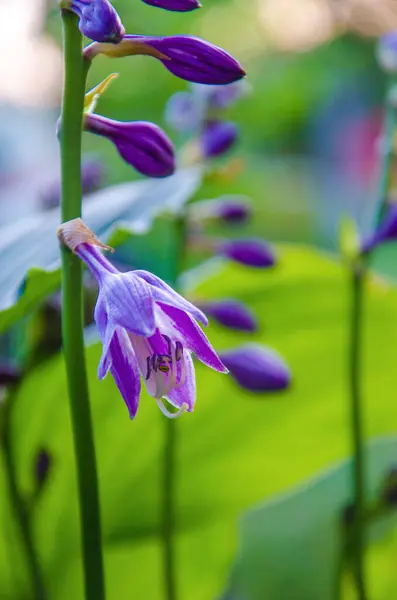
(98, 19)
(141, 144)
(145, 327)
(257, 368)
(175, 5)
(185, 56)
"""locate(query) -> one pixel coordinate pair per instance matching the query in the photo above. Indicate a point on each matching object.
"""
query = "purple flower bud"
(217, 138)
(387, 52)
(98, 19)
(249, 252)
(175, 5)
(42, 467)
(185, 56)
(386, 232)
(182, 112)
(231, 314)
(92, 172)
(232, 209)
(9, 375)
(257, 368)
(141, 144)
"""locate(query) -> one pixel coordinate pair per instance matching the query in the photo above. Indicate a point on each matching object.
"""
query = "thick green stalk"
(357, 531)
(17, 503)
(358, 275)
(72, 313)
(168, 509)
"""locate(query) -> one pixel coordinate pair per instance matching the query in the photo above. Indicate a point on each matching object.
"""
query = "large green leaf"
(29, 247)
(236, 449)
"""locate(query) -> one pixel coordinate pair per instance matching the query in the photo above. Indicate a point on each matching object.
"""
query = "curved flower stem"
(72, 313)
(18, 504)
(358, 275)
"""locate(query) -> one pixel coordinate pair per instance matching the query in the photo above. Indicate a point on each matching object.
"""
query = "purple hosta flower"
(145, 327)
(92, 175)
(386, 232)
(387, 52)
(141, 144)
(175, 5)
(217, 138)
(98, 19)
(185, 56)
(231, 208)
(249, 252)
(231, 314)
(257, 368)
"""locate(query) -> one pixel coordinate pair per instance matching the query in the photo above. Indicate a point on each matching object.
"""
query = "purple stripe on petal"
(129, 303)
(186, 393)
(193, 337)
(125, 372)
(165, 294)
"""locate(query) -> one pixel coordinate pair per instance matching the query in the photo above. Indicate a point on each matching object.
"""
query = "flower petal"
(186, 393)
(124, 369)
(192, 337)
(106, 332)
(164, 294)
(129, 303)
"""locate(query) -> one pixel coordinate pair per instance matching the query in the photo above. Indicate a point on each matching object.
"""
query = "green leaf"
(234, 451)
(31, 243)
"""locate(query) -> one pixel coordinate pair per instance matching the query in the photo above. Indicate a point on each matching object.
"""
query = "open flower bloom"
(145, 327)
(185, 56)
(98, 19)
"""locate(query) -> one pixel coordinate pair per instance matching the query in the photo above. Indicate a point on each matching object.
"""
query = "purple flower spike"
(231, 314)
(98, 19)
(185, 56)
(250, 252)
(145, 327)
(387, 52)
(386, 232)
(217, 138)
(141, 144)
(175, 5)
(257, 368)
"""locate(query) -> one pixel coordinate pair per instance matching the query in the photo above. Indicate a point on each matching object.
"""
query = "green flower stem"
(358, 275)
(168, 508)
(72, 313)
(17, 503)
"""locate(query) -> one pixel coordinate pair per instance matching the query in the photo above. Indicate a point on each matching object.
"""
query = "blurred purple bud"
(175, 5)
(231, 314)
(98, 19)
(92, 175)
(386, 232)
(225, 95)
(387, 52)
(233, 208)
(249, 252)
(217, 138)
(234, 211)
(257, 368)
(9, 375)
(185, 56)
(42, 467)
(141, 144)
(182, 112)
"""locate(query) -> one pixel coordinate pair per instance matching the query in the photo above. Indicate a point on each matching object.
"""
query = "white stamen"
(169, 414)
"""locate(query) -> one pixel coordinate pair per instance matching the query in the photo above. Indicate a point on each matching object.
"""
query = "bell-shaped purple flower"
(145, 327)
(217, 138)
(248, 252)
(387, 52)
(231, 314)
(141, 144)
(98, 19)
(185, 56)
(257, 368)
(175, 5)
(386, 232)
